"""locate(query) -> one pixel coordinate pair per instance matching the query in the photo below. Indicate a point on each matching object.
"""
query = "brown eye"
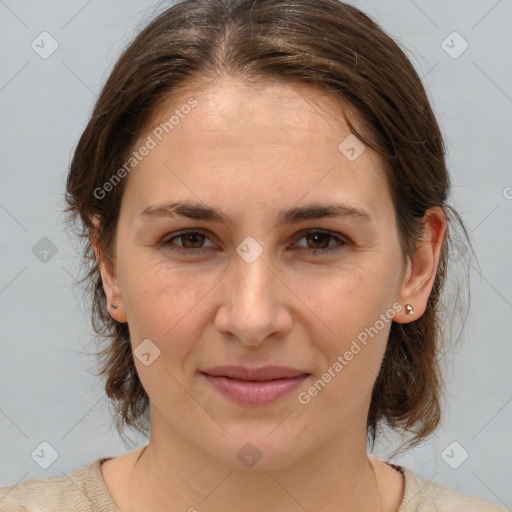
(317, 238)
(191, 242)
(318, 241)
(194, 239)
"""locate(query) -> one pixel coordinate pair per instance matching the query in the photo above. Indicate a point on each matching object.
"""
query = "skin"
(252, 150)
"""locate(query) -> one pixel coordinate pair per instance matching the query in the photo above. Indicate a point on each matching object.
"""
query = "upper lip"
(255, 374)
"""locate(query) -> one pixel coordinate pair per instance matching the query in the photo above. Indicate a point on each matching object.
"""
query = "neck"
(173, 474)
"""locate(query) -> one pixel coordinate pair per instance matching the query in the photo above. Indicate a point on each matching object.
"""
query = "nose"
(254, 303)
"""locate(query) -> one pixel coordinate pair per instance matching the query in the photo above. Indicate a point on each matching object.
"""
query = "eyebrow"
(293, 215)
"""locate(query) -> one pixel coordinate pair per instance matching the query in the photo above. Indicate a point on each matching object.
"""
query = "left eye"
(193, 241)
(316, 236)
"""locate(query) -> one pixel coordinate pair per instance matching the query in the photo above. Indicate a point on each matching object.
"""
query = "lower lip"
(255, 393)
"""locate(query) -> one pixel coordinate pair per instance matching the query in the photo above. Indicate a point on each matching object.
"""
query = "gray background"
(48, 390)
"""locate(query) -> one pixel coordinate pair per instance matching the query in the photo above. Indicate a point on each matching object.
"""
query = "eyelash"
(303, 234)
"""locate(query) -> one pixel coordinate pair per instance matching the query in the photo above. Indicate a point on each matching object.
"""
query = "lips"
(264, 373)
(254, 386)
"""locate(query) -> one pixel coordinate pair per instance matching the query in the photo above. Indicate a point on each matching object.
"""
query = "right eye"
(189, 237)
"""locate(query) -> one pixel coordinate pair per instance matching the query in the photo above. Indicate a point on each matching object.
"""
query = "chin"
(257, 449)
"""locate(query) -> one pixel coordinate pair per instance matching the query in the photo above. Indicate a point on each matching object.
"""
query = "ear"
(422, 267)
(108, 277)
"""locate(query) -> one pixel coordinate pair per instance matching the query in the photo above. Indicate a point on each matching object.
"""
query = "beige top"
(84, 491)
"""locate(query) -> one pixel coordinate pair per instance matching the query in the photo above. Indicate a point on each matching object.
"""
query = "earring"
(409, 309)
(115, 306)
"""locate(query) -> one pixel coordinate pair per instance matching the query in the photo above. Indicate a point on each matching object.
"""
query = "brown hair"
(325, 43)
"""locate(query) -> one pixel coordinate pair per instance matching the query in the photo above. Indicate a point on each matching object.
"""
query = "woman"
(263, 192)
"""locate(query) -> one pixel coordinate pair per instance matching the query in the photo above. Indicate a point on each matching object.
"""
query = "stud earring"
(115, 306)
(409, 309)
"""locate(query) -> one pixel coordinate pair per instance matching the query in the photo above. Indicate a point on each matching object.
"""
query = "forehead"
(272, 137)
(287, 109)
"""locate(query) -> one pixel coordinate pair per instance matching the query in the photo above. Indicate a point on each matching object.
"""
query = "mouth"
(256, 386)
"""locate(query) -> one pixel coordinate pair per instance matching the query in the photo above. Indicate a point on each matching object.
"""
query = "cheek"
(348, 299)
(167, 306)
(357, 309)
(351, 359)
(159, 290)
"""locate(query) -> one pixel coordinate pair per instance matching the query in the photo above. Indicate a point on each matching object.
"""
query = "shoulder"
(78, 491)
(422, 495)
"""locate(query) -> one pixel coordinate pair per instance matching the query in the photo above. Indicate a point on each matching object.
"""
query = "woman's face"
(257, 290)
